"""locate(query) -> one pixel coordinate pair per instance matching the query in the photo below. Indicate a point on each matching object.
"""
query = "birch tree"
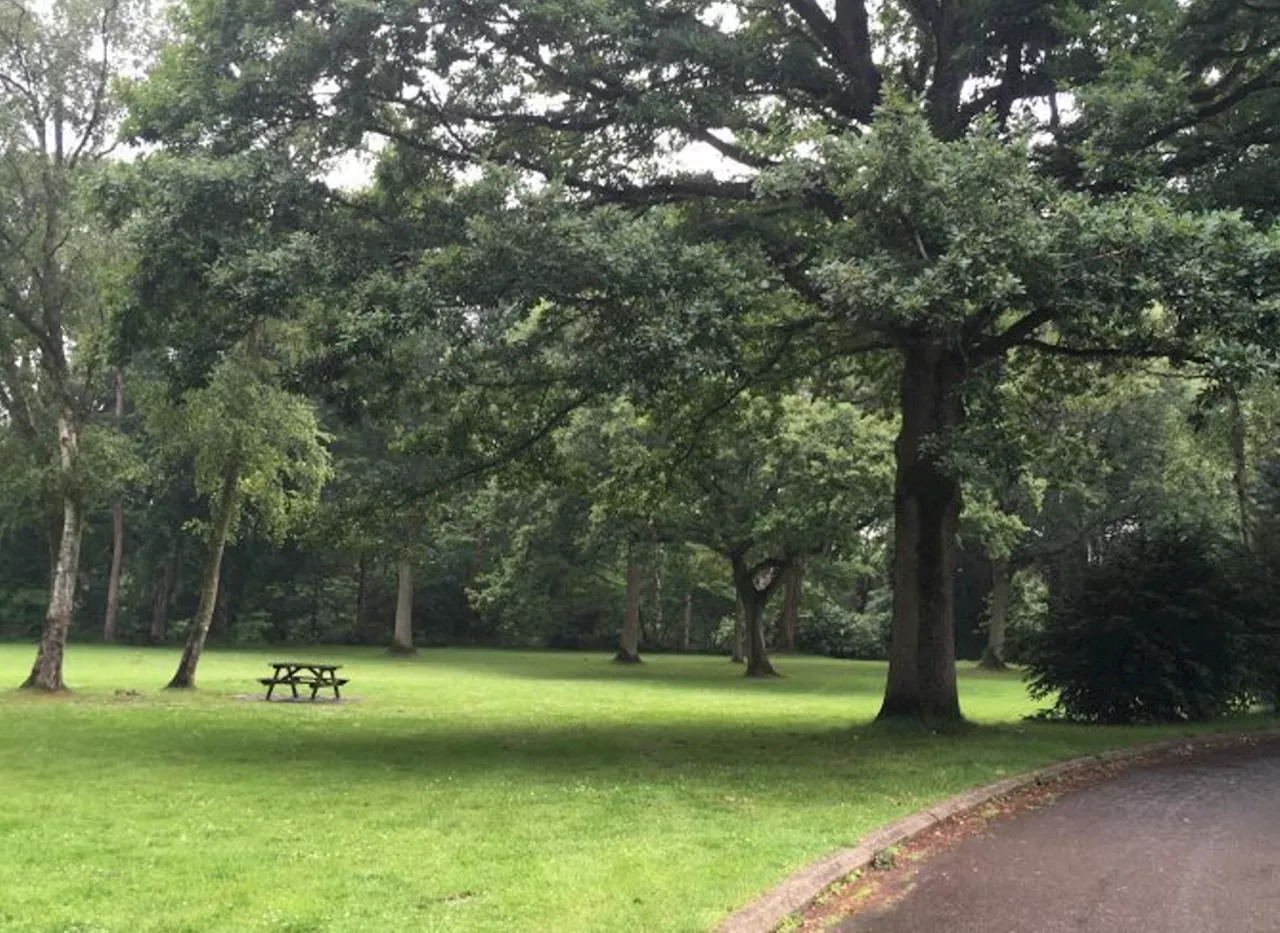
(57, 118)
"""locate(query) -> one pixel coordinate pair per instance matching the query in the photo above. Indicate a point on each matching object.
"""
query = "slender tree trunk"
(656, 631)
(629, 640)
(922, 675)
(117, 535)
(1001, 587)
(738, 653)
(228, 501)
(402, 641)
(789, 621)
(46, 672)
(1239, 458)
(360, 585)
(686, 624)
(163, 596)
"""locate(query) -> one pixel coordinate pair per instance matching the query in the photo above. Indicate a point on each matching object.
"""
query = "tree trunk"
(629, 640)
(738, 653)
(751, 603)
(1001, 587)
(360, 585)
(46, 672)
(1239, 458)
(686, 625)
(758, 664)
(117, 536)
(922, 674)
(789, 621)
(228, 501)
(402, 640)
(163, 596)
(656, 632)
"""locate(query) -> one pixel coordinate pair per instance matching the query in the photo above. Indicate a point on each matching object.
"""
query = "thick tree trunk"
(758, 664)
(922, 675)
(751, 603)
(46, 672)
(1001, 587)
(163, 596)
(629, 640)
(117, 536)
(789, 621)
(686, 624)
(228, 501)
(402, 640)
(738, 653)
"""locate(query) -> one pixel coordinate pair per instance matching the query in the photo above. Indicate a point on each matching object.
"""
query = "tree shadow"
(842, 678)
(895, 759)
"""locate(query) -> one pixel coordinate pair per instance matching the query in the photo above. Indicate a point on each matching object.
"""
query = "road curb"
(799, 889)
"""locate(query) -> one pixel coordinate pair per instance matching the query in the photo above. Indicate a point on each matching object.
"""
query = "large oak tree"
(920, 229)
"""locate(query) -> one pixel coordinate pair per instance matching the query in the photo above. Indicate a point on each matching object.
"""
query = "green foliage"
(1028, 609)
(829, 628)
(1158, 630)
(22, 611)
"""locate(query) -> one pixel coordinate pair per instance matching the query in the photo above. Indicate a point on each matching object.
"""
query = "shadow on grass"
(898, 757)
(822, 676)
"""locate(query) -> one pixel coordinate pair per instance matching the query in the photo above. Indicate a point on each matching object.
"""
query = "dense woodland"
(871, 330)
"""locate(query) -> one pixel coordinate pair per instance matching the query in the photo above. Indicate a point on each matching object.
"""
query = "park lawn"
(461, 790)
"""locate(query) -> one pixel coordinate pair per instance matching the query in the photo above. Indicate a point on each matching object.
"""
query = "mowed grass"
(461, 791)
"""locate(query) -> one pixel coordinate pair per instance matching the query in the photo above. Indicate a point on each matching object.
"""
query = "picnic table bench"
(307, 674)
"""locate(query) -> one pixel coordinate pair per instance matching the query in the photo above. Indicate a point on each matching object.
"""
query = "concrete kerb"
(800, 888)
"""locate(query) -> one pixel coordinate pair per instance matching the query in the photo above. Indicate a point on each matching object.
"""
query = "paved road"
(1192, 847)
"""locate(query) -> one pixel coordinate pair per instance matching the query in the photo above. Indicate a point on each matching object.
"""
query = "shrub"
(831, 630)
(1157, 633)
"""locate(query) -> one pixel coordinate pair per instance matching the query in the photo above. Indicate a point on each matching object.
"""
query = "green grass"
(461, 791)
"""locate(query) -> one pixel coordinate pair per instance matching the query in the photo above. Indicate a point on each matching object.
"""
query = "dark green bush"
(1162, 630)
(829, 629)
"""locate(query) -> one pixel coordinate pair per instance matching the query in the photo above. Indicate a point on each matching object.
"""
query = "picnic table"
(304, 673)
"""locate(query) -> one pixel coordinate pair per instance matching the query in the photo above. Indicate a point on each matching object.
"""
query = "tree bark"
(922, 676)
(360, 586)
(629, 640)
(117, 535)
(656, 628)
(1240, 461)
(789, 621)
(751, 602)
(46, 672)
(686, 624)
(1001, 588)
(758, 664)
(228, 501)
(738, 653)
(163, 596)
(402, 640)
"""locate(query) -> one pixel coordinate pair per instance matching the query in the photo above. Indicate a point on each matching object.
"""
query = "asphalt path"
(1186, 847)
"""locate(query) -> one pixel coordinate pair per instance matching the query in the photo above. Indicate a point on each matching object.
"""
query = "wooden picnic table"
(308, 674)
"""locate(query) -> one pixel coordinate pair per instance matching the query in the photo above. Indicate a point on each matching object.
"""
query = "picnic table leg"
(271, 686)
